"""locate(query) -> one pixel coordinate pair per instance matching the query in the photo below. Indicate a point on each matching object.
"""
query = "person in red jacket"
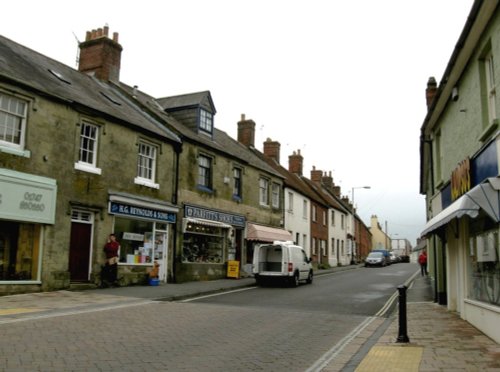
(422, 260)
(110, 269)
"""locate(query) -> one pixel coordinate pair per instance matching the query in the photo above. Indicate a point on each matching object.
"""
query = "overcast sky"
(343, 81)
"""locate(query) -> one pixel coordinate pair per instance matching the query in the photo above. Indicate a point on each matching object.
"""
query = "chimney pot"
(295, 162)
(101, 55)
(316, 175)
(246, 132)
(431, 90)
(272, 149)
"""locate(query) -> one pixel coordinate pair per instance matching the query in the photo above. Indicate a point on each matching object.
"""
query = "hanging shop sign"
(141, 212)
(461, 179)
(212, 215)
(26, 197)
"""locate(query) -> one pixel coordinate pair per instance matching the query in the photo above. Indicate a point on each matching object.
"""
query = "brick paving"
(82, 341)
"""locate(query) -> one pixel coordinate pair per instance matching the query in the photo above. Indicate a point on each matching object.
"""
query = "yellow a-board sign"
(233, 269)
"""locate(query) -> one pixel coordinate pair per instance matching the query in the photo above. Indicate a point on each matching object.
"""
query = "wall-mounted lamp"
(454, 94)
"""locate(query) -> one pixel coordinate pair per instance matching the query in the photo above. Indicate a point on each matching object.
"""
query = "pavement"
(435, 338)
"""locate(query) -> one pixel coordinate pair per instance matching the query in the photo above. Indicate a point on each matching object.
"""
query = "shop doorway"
(80, 245)
(161, 254)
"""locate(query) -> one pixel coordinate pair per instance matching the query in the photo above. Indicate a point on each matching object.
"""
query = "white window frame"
(275, 195)
(290, 202)
(314, 213)
(12, 114)
(206, 121)
(333, 217)
(85, 165)
(490, 87)
(205, 177)
(263, 192)
(146, 165)
(304, 209)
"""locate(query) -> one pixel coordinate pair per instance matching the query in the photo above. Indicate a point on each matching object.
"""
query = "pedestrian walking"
(110, 269)
(422, 260)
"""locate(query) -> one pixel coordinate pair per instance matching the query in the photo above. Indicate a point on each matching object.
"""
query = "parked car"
(386, 254)
(404, 258)
(375, 259)
(281, 261)
(394, 258)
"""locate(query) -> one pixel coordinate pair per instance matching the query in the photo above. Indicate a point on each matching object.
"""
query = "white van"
(281, 261)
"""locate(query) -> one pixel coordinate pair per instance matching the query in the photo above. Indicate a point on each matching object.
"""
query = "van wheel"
(310, 277)
(295, 280)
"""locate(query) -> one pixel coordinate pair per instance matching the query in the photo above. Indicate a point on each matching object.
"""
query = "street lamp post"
(354, 220)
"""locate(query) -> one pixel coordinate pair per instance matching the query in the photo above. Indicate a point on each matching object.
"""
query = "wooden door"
(79, 251)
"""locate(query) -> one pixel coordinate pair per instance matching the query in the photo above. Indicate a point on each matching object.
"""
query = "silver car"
(375, 259)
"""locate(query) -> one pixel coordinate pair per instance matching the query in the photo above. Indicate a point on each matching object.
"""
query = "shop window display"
(19, 251)
(136, 241)
(484, 267)
(203, 244)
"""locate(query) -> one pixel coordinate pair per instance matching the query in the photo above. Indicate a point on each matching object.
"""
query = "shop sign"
(26, 197)
(207, 214)
(460, 179)
(141, 212)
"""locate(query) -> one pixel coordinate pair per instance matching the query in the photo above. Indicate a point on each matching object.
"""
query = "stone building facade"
(77, 161)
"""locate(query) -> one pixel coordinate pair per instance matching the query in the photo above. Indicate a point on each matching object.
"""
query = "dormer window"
(206, 121)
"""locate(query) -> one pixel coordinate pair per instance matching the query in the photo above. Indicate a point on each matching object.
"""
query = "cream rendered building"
(380, 240)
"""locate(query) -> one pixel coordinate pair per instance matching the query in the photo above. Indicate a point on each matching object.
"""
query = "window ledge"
(205, 189)
(237, 198)
(146, 182)
(85, 167)
(488, 131)
(14, 151)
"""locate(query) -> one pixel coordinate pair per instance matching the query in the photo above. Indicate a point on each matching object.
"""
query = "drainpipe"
(175, 198)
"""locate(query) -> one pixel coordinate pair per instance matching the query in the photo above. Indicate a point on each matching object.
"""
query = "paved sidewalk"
(439, 341)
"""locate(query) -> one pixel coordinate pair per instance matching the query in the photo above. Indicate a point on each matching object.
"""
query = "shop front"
(143, 229)
(210, 239)
(27, 207)
(471, 250)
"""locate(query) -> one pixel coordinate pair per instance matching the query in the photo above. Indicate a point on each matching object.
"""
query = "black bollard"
(402, 335)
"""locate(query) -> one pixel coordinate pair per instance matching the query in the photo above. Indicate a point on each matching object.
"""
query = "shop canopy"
(200, 221)
(485, 196)
(267, 234)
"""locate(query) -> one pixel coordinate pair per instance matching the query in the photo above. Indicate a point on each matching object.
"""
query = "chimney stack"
(336, 191)
(295, 163)
(316, 175)
(272, 149)
(327, 181)
(246, 132)
(431, 90)
(101, 55)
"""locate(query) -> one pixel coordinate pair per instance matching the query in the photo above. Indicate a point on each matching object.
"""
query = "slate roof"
(20, 65)
(221, 141)
(23, 66)
(187, 100)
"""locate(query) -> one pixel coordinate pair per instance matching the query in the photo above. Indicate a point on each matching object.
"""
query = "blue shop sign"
(208, 214)
(134, 211)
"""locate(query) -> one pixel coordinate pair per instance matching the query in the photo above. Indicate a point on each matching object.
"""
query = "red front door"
(79, 251)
